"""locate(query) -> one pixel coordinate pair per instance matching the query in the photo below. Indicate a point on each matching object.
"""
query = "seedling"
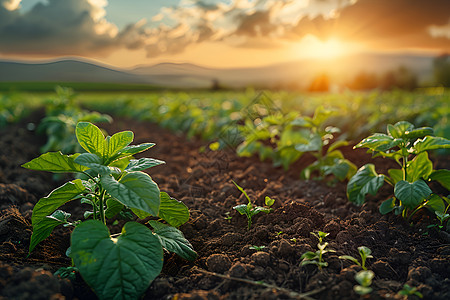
(364, 252)
(228, 217)
(409, 291)
(257, 248)
(249, 209)
(408, 147)
(122, 265)
(364, 278)
(316, 258)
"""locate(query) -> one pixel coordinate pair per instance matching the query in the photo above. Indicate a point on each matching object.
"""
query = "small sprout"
(364, 278)
(294, 240)
(67, 272)
(228, 217)
(409, 291)
(249, 209)
(279, 233)
(316, 258)
(257, 248)
(364, 252)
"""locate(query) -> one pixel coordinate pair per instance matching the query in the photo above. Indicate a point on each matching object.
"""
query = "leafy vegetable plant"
(119, 266)
(318, 135)
(408, 147)
(316, 258)
(62, 115)
(364, 252)
(249, 209)
(364, 279)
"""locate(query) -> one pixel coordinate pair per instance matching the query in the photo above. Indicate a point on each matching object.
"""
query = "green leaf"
(113, 207)
(242, 209)
(419, 168)
(314, 144)
(55, 162)
(173, 211)
(142, 164)
(336, 145)
(387, 206)
(366, 181)
(173, 240)
(379, 142)
(442, 176)
(395, 174)
(117, 142)
(341, 168)
(116, 268)
(351, 258)
(44, 228)
(431, 143)
(93, 162)
(242, 191)
(91, 138)
(398, 129)
(135, 149)
(362, 290)
(411, 194)
(269, 201)
(135, 190)
(436, 204)
(59, 196)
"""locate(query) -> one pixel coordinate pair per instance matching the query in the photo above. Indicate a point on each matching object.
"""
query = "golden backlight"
(312, 47)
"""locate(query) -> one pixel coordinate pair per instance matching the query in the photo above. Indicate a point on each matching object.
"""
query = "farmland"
(295, 148)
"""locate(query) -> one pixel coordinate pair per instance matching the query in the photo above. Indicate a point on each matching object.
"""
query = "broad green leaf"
(44, 228)
(173, 211)
(321, 114)
(117, 142)
(59, 196)
(93, 162)
(341, 168)
(387, 206)
(366, 181)
(435, 203)
(411, 194)
(242, 209)
(142, 164)
(419, 133)
(419, 168)
(135, 190)
(398, 130)
(91, 138)
(442, 176)
(395, 174)
(113, 207)
(116, 268)
(55, 162)
(313, 144)
(431, 143)
(135, 149)
(269, 201)
(379, 142)
(173, 240)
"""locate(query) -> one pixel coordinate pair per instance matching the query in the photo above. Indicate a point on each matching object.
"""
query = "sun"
(312, 47)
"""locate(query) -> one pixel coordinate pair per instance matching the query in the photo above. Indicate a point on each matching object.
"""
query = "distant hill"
(187, 75)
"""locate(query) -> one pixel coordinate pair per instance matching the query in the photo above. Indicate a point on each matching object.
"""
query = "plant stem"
(404, 167)
(102, 206)
(416, 210)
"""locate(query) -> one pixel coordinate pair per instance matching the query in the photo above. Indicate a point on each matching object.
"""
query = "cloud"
(385, 23)
(63, 27)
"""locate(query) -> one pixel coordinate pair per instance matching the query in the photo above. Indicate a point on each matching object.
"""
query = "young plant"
(409, 291)
(317, 135)
(257, 248)
(249, 209)
(115, 265)
(364, 279)
(408, 147)
(316, 258)
(364, 252)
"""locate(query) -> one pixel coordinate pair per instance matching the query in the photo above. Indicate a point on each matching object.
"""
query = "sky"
(219, 33)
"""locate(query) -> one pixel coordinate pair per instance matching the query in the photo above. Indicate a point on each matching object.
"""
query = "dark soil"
(227, 268)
